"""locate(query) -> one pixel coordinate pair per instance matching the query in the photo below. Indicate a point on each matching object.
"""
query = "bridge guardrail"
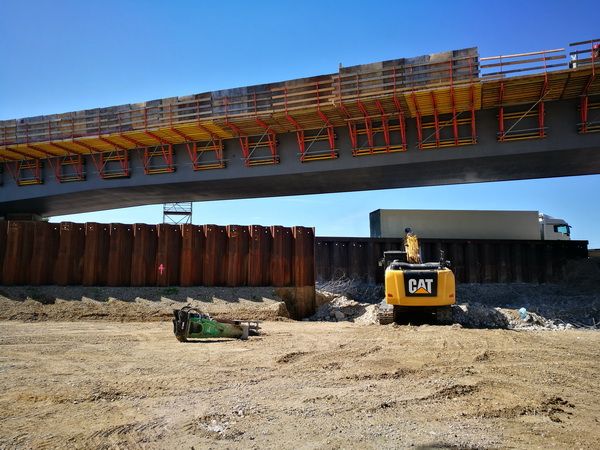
(504, 66)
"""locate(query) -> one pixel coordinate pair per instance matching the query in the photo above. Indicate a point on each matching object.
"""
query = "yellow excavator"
(416, 292)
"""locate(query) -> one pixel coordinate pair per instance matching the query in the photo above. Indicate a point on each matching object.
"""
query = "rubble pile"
(516, 306)
(352, 288)
(547, 305)
(476, 315)
(342, 308)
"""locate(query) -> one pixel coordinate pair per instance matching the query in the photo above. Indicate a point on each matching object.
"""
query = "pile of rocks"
(342, 308)
(477, 315)
(339, 308)
(546, 306)
(369, 293)
(551, 306)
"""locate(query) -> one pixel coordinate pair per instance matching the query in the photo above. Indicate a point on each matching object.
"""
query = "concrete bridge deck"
(440, 119)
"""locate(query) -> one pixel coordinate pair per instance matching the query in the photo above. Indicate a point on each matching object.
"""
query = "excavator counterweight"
(415, 290)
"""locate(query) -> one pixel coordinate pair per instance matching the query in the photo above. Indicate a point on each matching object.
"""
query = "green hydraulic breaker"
(190, 323)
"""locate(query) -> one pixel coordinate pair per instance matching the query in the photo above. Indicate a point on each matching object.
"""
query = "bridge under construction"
(451, 117)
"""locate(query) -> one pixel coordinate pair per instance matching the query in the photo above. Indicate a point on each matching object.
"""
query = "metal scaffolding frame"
(177, 213)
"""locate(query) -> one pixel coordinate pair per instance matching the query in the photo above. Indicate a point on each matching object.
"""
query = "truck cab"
(553, 229)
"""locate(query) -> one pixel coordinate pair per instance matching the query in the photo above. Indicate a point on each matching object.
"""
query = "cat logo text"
(420, 286)
(420, 283)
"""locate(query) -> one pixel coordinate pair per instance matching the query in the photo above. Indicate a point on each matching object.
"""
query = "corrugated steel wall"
(473, 261)
(259, 252)
(143, 255)
(45, 250)
(68, 268)
(192, 254)
(95, 254)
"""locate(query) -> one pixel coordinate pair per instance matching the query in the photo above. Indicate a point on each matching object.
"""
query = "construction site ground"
(80, 383)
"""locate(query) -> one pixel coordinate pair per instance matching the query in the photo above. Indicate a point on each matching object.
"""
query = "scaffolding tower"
(178, 213)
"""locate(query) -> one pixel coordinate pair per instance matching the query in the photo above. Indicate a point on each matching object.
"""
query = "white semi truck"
(448, 224)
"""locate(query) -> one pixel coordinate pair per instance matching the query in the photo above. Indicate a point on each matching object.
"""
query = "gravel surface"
(135, 303)
(101, 384)
(73, 376)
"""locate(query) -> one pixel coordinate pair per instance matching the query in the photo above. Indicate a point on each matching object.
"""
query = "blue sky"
(62, 56)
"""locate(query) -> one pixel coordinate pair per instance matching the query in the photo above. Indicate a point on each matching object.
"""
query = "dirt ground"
(139, 304)
(103, 384)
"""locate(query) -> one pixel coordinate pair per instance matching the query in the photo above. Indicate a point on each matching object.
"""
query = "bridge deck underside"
(430, 173)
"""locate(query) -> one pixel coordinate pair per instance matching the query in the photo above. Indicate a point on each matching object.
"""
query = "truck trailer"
(468, 224)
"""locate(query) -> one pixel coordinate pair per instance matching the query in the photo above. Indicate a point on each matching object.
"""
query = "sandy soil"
(139, 304)
(105, 384)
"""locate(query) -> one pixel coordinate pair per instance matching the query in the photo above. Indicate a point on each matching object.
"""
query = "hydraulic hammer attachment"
(190, 323)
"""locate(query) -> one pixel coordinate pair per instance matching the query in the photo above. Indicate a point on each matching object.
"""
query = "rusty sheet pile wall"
(473, 261)
(95, 254)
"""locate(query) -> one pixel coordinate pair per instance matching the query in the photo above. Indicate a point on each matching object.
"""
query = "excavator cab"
(415, 291)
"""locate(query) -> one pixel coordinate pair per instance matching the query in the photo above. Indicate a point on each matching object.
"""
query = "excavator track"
(443, 315)
(385, 313)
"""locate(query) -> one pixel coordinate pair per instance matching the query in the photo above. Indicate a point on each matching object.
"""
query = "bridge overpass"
(439, 119)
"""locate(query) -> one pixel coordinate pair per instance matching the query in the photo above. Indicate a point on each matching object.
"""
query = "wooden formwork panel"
(237, 255)
(119, 255)
(69, 262)
(192, 255)
(215, 255)
(259, 256)
(143, 255)
(95, 254)
(168, 254)
(281, 256)
(19, 248)
(45, 249)
(426, 102)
